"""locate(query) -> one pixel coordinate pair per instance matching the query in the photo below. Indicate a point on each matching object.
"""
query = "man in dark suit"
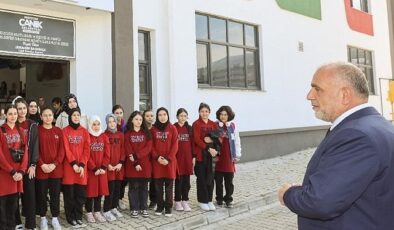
(349, 181)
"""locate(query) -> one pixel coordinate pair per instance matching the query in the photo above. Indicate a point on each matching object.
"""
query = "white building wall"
(285, 72)
(91, 69)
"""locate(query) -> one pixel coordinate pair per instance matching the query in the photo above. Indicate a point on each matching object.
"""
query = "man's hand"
(281, 192)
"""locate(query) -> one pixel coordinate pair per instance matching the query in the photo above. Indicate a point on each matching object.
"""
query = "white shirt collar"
(348, 113)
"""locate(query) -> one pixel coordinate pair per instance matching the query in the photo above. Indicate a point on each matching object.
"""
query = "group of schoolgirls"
(86, 164)
(212, 148)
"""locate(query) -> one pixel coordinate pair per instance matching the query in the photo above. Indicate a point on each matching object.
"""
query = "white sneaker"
(185, 206)
(44, 223)
(122, 206)
(211, 206)
(99, 217)
(204, 206)
(55, 224)
(90, 217)
(116, 213)
(178, 206)
(19, 227)
(109, 217)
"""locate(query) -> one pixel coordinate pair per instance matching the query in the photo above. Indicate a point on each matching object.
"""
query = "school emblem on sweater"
(162, 136)
(114, 141)
(97, 146)
(183, 137)
(56, 136)
(135, 139)
(13, 138)
(74, 139)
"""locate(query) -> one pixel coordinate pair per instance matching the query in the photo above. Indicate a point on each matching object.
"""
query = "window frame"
(364, 6)
(147, 64)
(365, 66)
(209, 42)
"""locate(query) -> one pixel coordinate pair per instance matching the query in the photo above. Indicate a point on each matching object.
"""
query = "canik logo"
(30, 24)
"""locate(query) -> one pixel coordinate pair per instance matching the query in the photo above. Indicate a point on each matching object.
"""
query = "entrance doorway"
(33, 78)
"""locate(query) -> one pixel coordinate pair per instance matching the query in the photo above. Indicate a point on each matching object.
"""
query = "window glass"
(141, 47)
(237, 69)
(235, 33)
(251, 74)
(217, 29)
(219, 65)
(201, 26)
(202, 64)
(250, 35)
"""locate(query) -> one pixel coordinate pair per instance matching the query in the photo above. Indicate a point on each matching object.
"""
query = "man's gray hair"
(350, 74)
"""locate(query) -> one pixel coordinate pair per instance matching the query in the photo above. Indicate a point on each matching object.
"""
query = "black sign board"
(27, 34)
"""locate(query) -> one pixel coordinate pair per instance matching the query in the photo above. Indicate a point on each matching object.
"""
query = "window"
(144, 71)
(363, 59)
(360, 5)
(227, 53)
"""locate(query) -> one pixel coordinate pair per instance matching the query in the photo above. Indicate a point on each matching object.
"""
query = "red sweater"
(201, 130)
(184, 155)
(165, 144)
(11, 139)
(117, 155)
(100, 151)
(77, 148)
(137, 143)
(51, 151)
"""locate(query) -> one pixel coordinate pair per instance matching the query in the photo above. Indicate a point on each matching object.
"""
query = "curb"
(208, 218)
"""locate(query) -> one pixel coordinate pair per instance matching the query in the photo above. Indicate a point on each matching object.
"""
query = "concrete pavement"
(255, 197)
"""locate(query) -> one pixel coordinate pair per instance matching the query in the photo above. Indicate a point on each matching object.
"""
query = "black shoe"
(73, 224)
(229, 204)
(144, 213)
(159, 211)
(134, 214)
(168, 212)
(219, 203)
(81, 224)
(152, 205)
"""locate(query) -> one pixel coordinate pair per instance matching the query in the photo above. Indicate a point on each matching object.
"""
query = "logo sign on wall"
(32, 35)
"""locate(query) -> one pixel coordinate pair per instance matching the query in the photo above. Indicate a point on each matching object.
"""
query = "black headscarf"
(66, 99)
(70, 122)
(35, 117)
(161, 126)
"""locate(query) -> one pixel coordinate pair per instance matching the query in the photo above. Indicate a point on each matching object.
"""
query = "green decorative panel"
(309, 8)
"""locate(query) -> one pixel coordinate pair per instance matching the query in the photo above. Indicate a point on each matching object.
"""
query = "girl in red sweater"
(185, 161)
(138, 146)
(49, 169)
(203, 169)
(77, 147)
(13, 163)
(149, 120)
(165, 147)
(118, 111)
(115, 170)
(97, 166)
(230, 152)
(28, 197)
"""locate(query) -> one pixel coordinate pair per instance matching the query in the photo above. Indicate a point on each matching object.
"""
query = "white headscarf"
(92, 119)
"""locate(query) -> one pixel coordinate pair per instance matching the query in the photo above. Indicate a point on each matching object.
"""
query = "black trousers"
(51, 185)
(93, 204)
(74, 199)
(122, 189)
(28, 198)
(204, 184)
(112, 200)
(8, 206)
(228, 184)
(138, 194)
(164, 186)
(182, 188)
(152, 191)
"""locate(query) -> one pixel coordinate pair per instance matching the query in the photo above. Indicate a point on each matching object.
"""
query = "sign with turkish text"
(32, 35)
